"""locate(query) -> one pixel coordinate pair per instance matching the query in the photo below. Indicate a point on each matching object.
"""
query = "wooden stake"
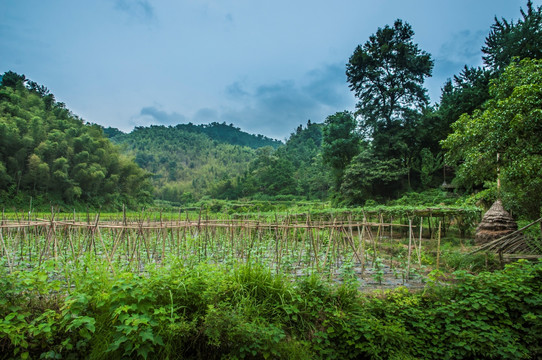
(409, 248)
(438, 246)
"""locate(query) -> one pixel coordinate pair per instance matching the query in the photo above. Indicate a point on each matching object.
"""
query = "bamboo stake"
(391, 243)
(351, 243)
(6, 252)
(105, 251)
(374, 240)
(409, 248)
(329, 243)
(276, 240)
(71, 245)
(438, 246)
(314, 247)
(420, 244)
(362, 244)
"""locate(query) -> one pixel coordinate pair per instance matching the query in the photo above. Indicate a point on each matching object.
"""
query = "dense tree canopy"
(510, 124)
(50, 154)
(341, 143)
(185, 162)
(229, 134)
(466, 93)
(368, 177)
(386, 75)
(507, 39)
(391, 144)
(293, 170)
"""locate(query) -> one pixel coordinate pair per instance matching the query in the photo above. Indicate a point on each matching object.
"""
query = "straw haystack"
(495, 224)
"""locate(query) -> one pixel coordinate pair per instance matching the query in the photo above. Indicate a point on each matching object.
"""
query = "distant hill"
(229, 134)
(186, 160)
(112, 132)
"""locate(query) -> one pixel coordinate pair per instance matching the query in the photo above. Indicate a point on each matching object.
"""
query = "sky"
(264, 66)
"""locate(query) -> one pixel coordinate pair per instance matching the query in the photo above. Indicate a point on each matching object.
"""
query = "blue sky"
(265, 66)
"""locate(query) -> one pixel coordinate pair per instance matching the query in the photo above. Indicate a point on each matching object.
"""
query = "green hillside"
(186, 159)
(190, 161)
(51, 155)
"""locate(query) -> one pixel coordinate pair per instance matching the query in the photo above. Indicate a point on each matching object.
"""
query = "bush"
(211, 311)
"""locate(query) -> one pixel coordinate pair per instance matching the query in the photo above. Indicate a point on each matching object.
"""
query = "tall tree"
(368, 177)
(468, 91)
(507, 40)
(387, 75)
(510, 125)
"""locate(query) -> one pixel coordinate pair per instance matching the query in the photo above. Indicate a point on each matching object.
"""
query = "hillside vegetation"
(51, 155)
(187, 160)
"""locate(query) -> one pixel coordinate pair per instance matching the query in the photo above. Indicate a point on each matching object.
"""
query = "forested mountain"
(191, 161)
(50, 154)
(186, 160)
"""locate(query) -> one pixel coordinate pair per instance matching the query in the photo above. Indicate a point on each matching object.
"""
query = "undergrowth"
(246, 311)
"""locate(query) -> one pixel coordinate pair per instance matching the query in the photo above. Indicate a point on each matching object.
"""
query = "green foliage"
(185, 162)
(472, 263)
(50, 154)
(369, 177)
(228, 134)
(295, 169)
(426, 198)
(429, 165)
(507, 40)
(303, 149)
(468, 91)
(340, 143)
(386, 75)
(211, 311)
(190, 161)
(509, 126)
(111, 132)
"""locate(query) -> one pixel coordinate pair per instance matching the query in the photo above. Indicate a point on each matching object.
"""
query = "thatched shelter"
(495, 224)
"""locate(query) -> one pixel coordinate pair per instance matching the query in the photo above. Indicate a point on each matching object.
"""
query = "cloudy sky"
(265, 66)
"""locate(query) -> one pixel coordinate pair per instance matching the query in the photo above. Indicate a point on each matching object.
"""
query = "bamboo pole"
(420, 243)
(391, 243)
(409, 248)
(438, 245)
(6, 252)
(361, 246)
(105, 250)
(330, 240)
